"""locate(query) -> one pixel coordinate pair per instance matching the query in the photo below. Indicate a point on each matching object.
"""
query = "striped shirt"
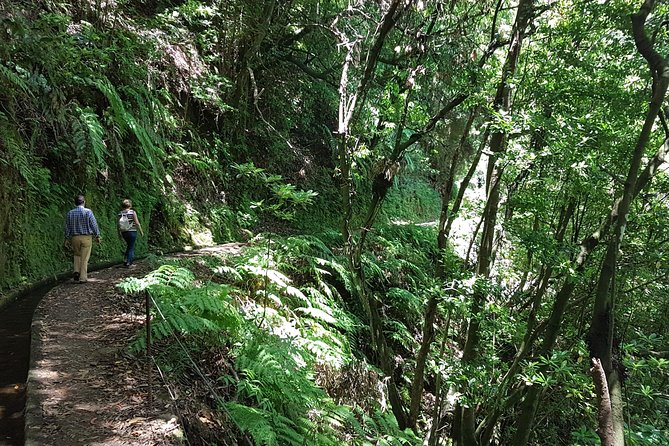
(130, 215)
(81, 221)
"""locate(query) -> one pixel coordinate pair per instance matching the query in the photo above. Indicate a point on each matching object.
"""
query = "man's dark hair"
(79, 200)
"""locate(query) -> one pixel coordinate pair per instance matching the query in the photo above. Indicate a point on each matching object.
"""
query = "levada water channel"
(15, 322)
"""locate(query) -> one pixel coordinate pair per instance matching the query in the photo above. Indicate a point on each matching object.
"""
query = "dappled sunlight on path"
(83, 388)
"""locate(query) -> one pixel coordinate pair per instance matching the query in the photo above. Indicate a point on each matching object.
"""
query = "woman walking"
(128, 224)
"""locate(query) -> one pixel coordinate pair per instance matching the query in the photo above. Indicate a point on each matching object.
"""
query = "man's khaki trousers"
(81, 245)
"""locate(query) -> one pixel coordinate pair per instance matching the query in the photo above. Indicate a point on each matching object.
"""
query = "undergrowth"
(281, 312)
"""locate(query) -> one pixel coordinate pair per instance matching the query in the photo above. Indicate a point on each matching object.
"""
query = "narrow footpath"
(83, 386)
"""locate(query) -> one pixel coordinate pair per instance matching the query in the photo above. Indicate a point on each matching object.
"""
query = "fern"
(270, 428)
(282, 403)
(378, 425)
(276, 400)
(17, 155)
(126, 120)
(165, 275)
(341, 271)
(88, 133)
(229, 272)
(15, 79)
(183, 309)
(255, 422)
(401, 334)
(411, 304)
(317, 314)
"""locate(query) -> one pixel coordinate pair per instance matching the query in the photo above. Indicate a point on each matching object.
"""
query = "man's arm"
(94, 225)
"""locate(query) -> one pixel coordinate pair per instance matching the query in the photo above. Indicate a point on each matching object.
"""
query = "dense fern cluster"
(277, 312)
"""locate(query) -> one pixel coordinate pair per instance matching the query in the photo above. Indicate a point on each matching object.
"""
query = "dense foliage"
(480, 189)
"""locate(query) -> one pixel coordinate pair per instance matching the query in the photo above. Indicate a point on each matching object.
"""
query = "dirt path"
(83, 389)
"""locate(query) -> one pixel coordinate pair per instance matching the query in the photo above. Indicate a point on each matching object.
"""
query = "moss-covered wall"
(79, 113)
(32, 247)
(32, 229)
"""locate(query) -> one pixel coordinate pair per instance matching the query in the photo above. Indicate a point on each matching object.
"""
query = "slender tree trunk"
(486, 428)
(605, 428)
(447, 194)
(431, 308)
(602, 328)
(349, 106)
(498, 142)
(464, 184)
(240, 100)
(433, 437)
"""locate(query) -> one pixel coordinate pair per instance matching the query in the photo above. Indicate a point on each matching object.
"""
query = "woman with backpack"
(128, 224)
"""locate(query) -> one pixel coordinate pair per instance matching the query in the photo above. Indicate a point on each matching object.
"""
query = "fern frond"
(317, 314)
(341, 270)
(402, 298)
(228, 271)
(88, 133)
(17, 155)
(400, 333)
(165, 275)
(294, 292)
(275, 277)
(126, 120)
(372, 268)
(15, 79)
(253, 421)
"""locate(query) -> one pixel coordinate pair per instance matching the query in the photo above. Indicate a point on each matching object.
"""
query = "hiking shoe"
(75, 276)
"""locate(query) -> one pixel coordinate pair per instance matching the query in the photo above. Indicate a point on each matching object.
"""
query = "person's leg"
(127, 246)
(130, 238)
(76, 248)
(86, 246)
(131, 251)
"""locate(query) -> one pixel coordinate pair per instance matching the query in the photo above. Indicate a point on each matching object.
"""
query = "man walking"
(80, 228)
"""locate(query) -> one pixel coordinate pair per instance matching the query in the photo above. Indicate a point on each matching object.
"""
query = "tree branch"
(604, 412)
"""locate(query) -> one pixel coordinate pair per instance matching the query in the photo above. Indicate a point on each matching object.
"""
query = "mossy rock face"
(75, 125)
(31, 246)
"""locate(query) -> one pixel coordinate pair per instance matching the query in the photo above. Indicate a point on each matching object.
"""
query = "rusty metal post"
(148, 346)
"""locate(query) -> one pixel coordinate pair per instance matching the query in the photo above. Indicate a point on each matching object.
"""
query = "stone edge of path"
(32, 409)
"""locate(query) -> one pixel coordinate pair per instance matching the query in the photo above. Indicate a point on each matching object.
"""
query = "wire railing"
(205, 379)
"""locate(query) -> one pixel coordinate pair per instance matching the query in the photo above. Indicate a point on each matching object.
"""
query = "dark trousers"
(130, 237)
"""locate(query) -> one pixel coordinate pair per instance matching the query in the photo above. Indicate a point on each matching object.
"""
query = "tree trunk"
(502, 102)
(605, 428)
(349, 106)
(502, 401)
(431, 308)
(447, 194)
(602, 328)
(240, 99)
(464, 184)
